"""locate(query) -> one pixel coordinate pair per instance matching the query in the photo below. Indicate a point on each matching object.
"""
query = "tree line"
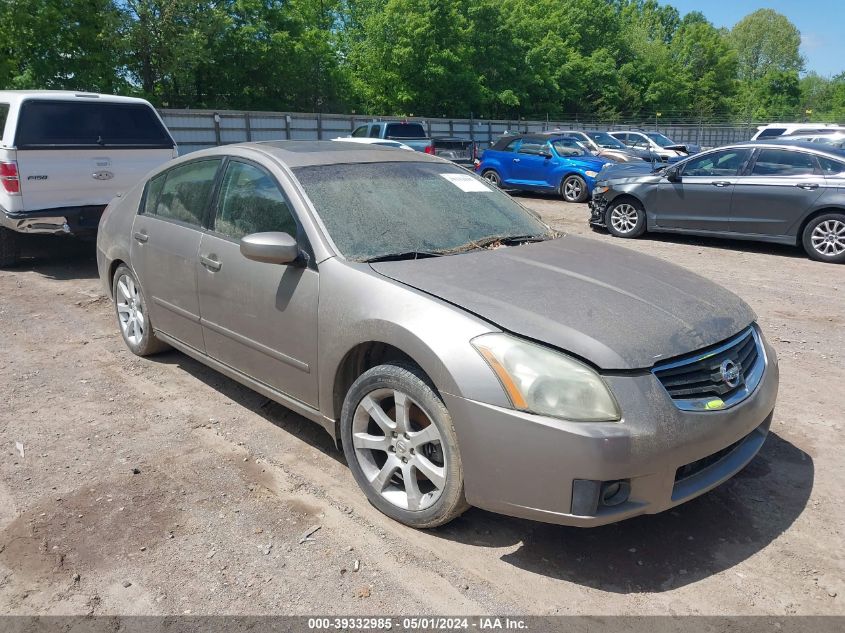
(614, 60)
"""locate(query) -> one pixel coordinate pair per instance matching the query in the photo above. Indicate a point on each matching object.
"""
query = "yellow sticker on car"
(718, 403)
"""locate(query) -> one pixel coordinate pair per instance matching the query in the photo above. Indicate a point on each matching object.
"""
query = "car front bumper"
(598, 206)
(531, 466)
(79, 221)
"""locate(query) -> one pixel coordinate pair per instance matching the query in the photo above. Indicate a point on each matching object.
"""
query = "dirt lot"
(158, 486)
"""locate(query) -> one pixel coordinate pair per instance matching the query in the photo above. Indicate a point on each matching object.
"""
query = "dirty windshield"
(381, 210)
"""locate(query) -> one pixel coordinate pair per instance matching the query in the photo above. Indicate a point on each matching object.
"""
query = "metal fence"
(198, 129)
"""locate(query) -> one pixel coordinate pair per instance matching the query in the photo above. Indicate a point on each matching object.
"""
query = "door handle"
(140, 236)
(809, 186)
(516, 160)
(212, 264)
(720, 183)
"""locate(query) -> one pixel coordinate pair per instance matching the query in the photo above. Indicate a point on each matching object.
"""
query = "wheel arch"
(799, 234)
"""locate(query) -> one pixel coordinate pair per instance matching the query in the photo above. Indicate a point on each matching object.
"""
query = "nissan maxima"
(458, 350)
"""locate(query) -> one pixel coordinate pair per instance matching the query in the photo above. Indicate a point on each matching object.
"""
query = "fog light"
(614, 493)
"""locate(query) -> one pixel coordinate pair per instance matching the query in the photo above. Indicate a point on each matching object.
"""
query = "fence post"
(451, 127)
(471, 129)
(216, 119)
(248, 125)
(489, 132)
(287, 126)
(319, 126)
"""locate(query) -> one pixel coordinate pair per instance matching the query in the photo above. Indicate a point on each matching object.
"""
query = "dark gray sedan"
(459, 350)
(788, 193)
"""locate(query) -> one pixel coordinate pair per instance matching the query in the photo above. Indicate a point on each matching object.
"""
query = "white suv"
(65, 155)
(773, 130)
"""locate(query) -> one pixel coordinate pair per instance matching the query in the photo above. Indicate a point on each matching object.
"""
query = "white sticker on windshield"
(467, 183)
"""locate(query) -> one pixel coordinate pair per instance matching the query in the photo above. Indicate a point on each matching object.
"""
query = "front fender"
(358, 305)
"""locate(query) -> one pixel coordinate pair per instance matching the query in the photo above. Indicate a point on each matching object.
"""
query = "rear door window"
(251, 202)
(531, 147)
(778, 162)
(375, 131)
(830, 166)
(361, 130)
(186, 192)
(89, 124)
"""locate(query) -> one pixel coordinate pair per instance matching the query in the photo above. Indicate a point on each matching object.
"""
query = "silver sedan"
(458, 350)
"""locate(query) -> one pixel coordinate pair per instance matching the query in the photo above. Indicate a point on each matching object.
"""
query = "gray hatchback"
(459, 350)
(787, 193)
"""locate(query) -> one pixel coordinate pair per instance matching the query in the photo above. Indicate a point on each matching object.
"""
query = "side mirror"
(270, 247)
(672, 175)
(545, 153)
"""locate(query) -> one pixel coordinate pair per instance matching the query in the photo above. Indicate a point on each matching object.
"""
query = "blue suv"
(559, 164)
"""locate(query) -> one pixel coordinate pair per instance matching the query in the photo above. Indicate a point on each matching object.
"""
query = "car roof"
(14, 97)
(779, 143)
(314, 153)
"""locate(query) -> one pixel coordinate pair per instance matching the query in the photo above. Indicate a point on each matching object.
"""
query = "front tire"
(574, 189)
(133, 318)
(625, 218)
(824, 238)
(10, 248)
(401, 447)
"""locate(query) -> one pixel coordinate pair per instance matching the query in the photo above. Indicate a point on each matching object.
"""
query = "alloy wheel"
(828, 238)
(492, 177)
(624, 217)
(129, 310)
(399, 448)
(572, 189)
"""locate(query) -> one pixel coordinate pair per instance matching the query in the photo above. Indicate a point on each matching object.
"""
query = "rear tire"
(824, 238)
(133, 317)
(574, 189)
(625, 218)
(401, 447)
(492, 177)
(10, 248)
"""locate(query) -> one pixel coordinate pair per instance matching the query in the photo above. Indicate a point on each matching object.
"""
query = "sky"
(821, 24)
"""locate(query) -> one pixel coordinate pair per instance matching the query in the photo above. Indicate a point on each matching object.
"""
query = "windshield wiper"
(507, 240)
(391, 257)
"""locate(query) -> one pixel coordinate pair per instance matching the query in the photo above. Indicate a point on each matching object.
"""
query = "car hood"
(609, 305)
(637, 171)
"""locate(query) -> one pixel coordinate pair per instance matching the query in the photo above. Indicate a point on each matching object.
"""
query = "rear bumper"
(546, 469)
(79, 221)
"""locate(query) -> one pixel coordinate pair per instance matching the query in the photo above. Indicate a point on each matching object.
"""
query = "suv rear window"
(85, 124)
(404, 130)
(770, 132)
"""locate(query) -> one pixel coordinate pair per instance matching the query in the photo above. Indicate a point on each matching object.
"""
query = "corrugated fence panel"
(197, 129)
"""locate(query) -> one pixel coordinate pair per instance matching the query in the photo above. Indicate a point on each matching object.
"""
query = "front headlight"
(591, 174)
(601, 189)
(540, 380)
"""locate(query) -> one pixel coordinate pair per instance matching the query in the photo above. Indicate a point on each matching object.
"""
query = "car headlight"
(591, 174)
(601, 189)
(540, 380)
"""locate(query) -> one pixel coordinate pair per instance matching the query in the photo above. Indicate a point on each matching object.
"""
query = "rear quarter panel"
(115, 232)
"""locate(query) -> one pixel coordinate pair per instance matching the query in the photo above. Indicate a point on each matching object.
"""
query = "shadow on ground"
(660, 552)
(58, 257)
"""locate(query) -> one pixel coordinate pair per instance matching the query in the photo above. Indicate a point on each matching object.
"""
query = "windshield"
(373, 210)
(603, 139)
(657, 137)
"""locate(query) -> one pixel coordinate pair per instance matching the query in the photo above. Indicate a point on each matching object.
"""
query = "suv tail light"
(9, 178)
(429, 149)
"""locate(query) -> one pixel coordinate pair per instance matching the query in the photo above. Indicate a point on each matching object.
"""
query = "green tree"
(61, 44)
(766, 41)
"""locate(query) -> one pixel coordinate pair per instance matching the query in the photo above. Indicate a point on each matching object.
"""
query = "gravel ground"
(158, 486)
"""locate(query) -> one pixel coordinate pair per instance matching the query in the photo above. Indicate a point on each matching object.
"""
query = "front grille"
(717, 377)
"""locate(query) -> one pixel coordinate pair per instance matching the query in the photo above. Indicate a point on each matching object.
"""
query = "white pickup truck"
(65, 155)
